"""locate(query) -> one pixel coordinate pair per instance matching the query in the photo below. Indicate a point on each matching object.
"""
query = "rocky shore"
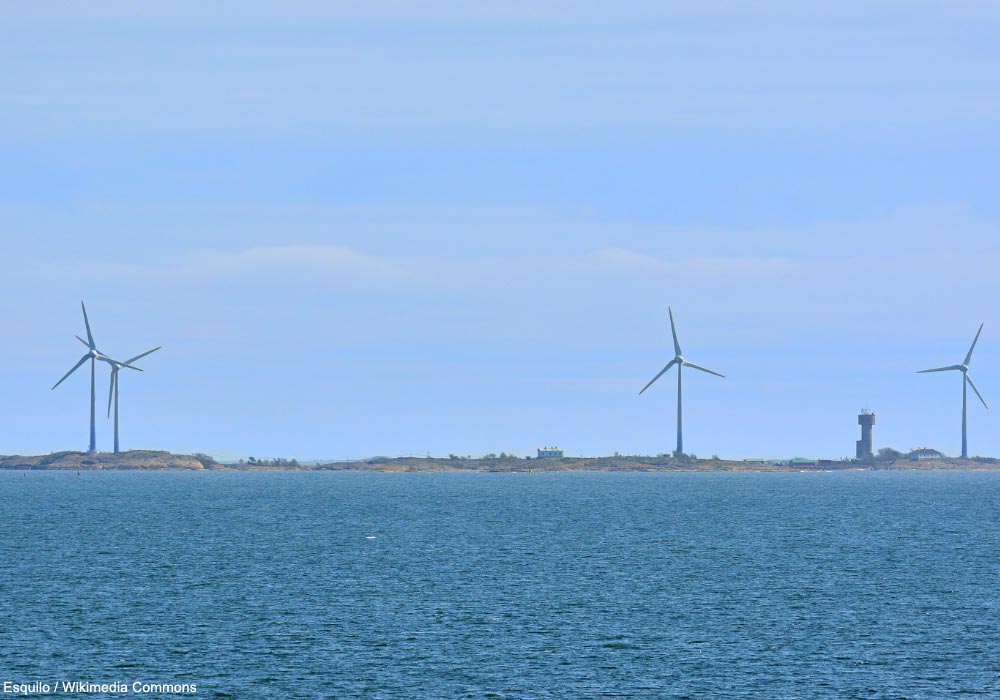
(134, 459)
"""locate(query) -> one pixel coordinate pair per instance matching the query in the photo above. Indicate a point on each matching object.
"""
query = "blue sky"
(456, 227)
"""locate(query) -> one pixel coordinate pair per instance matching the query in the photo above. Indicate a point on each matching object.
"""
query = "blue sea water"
(585, 585)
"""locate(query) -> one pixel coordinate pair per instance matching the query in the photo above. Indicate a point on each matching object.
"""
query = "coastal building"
(549, 452)
(835, 463)
(866, 419)
(925, 453)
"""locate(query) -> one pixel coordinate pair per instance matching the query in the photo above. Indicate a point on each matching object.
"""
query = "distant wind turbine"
(681, 363)
(93, 354)
(113, 389)
(966, 381)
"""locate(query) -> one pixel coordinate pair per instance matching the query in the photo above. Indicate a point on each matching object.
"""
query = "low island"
(151, 460)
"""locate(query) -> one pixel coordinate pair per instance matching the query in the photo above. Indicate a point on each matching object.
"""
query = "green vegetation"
(276, 462)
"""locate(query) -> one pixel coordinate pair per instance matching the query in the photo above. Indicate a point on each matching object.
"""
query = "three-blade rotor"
(116, 366)
(678, 356)
(963, 368)
(94, 353)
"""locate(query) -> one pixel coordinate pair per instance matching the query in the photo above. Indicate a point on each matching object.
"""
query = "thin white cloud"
(620, 260)
(296, 258)
(287, 265)
(335, 260)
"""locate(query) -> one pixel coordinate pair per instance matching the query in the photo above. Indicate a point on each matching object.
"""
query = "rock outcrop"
(134, 459)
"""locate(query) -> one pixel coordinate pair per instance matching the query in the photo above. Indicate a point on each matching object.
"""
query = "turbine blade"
(968, 358)
(82, 340)
(139, 357)
(111, 388)
(703, 369)
(940, 369)
(86, 322)
(75, 368)
(969, 380)
(126, 364)
(669, 365)
(673, 331)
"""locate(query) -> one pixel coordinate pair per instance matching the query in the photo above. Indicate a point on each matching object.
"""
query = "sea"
(862, 584)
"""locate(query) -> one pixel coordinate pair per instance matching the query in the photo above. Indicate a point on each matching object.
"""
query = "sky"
(390, 228)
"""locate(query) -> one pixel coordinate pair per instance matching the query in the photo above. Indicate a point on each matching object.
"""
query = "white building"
(549, 452)
(925, 453)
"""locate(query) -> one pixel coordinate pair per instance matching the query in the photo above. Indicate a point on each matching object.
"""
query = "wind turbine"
(966, 382)
(113, 389)
(93, 354)
(681, 363)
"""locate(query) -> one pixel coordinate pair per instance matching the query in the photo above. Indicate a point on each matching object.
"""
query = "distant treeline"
(491, 455)
(276, 462)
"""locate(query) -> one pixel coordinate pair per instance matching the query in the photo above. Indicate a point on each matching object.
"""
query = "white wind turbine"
(93, 354)
(681, 363)
(113, 389)
(966, 382)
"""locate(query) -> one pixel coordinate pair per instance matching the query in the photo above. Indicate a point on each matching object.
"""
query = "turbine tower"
(681, 364)
(93, 354)
(966, 382)
(113, 389)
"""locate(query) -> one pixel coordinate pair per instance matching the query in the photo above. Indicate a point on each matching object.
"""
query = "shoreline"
(307, 470)
(150, 460)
